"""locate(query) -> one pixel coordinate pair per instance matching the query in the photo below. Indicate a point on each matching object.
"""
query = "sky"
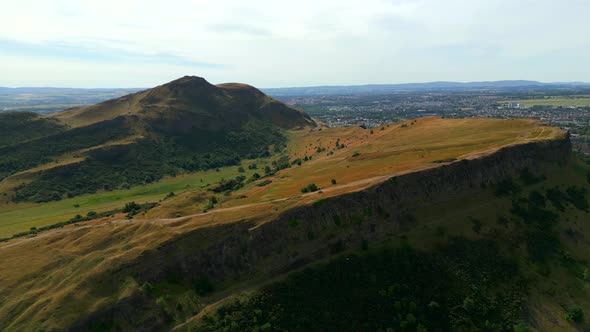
(143, 43)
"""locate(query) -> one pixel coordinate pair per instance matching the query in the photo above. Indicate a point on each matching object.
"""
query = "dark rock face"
(138, 311)
(308, 233)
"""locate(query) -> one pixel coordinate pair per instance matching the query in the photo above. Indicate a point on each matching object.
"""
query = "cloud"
(96, 54)
(239, 28)
(308, 42)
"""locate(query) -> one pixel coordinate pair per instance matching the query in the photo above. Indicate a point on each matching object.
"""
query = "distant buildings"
(515, 105)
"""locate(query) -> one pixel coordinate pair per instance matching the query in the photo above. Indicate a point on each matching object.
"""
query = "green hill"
(185, 125)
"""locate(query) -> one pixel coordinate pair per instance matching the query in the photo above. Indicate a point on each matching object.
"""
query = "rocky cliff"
(250, 249)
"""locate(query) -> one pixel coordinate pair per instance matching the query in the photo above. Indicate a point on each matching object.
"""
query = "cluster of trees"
(27, 154)
(466, 286)
(310, 188)
(145, 161)
(22, 126)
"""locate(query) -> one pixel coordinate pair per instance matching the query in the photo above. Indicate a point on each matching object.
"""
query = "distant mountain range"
(70, 97)
(37, 90)
(387, 88)
(328, 89)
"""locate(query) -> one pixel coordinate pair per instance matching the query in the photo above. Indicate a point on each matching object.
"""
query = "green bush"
(574, 314)
(310, 188)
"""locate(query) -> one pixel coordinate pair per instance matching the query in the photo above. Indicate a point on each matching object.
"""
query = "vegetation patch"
(466, 286)
(310, 188)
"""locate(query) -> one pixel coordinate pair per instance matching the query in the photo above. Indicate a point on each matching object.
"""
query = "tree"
(131, 207)
(575, 314)
(476, 225)
(310, 188)
(333, 181)
(522, 327)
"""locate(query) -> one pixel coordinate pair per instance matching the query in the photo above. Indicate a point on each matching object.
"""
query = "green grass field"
(15, 218)
(553, 101)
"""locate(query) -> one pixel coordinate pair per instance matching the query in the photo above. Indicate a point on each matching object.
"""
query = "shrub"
(536, 198)
(337, 221)
(310, 188)
(574, 314)
(203, 286)
(577, 196)
(131, 207)
(476, 225)
(506, 187)
(522, 327)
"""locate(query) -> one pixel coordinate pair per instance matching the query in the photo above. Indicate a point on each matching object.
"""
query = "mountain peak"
(188, 81)
(191, 102)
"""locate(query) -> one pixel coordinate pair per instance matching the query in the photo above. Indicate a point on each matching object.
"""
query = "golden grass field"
(395, 149)
(45, 279)
(398, 148)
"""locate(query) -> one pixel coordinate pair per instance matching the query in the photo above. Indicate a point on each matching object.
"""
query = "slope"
(182, 126)
(143, 274)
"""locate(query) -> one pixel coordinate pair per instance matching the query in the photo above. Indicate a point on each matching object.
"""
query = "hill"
(436, 224)
(182, 126)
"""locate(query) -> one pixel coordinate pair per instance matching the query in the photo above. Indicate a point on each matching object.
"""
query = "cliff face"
(305, 234)
(309, 232)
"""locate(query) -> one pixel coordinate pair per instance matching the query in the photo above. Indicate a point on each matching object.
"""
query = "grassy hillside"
(475, 263)
(504, 253)
(186, 125)
(398, 148)
(20, 217)
(339, 160)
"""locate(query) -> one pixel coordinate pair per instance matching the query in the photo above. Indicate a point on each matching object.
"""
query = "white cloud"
(278, 43)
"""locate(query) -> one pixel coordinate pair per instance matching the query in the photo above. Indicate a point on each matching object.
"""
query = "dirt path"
(336, 190)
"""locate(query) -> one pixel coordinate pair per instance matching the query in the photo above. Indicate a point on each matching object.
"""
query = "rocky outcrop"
(306, 233)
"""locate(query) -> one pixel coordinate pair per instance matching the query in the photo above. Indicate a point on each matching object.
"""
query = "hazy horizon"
(280, 87)
(112, 44)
